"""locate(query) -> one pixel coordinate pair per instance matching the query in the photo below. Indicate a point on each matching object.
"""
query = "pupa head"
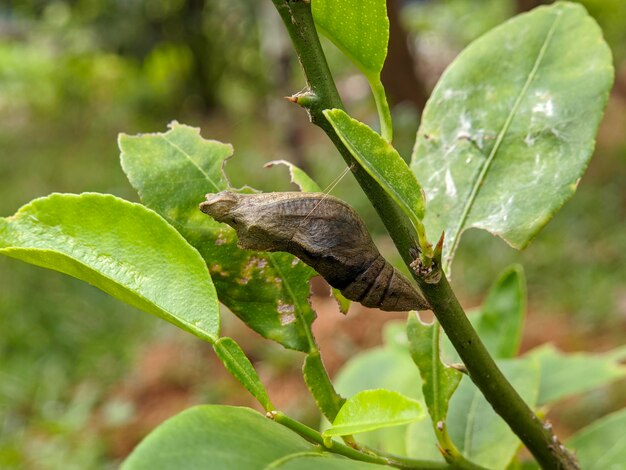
(220, 206)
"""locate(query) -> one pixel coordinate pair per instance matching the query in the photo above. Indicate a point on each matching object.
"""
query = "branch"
(484, 372)
(322, 94)
(352, 453)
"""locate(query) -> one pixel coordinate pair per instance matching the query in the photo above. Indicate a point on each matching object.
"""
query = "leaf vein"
(482, 174)
(191, 160)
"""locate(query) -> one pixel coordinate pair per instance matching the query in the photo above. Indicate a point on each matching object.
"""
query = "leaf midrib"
(480, 179)
(191, 160)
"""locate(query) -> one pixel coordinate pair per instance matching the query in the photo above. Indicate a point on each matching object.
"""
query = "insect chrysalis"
(325, 233)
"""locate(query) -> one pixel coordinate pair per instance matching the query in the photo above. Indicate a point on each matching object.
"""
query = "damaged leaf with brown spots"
(268, 291)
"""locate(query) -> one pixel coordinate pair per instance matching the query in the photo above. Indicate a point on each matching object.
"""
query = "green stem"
(382, 106)
(484, 372)
(451, 453)
(337, 448)
(322, 94)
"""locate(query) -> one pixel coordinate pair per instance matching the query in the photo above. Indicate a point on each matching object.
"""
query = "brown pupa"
(325, 233)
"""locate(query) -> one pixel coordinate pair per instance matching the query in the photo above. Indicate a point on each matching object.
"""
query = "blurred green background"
(82, 376)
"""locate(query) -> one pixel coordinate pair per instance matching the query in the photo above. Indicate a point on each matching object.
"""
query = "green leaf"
(374, 409)
(482, 436)
(500, 319)
(438, 381)
(344, 304)
(360, 29)
(564, 375)
(602, 444)
(220, 437)
(121, 248)
(238, 364)
(383, 163)
(172, 171)
(328, 400)
(388, 367)
(510, 127)
(324, 461)
(298, 176)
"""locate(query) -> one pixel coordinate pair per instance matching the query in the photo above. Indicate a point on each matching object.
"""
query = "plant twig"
(354, 454)
(322, 94)
(482, 369)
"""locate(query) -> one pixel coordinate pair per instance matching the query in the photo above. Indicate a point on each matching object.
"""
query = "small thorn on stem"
(306, 99)
(439, 246)
(460, 367)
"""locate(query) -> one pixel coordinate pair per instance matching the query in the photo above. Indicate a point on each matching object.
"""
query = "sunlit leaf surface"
(510, 127)
(219, 437)
(124, 249)
(374, 409)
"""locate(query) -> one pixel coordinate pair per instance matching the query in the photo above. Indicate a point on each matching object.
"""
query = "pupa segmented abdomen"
(382, 286)
(325, 233)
